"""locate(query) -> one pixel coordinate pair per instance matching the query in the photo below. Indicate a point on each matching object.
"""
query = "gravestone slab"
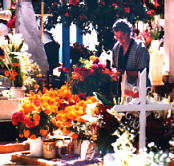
(26, 25)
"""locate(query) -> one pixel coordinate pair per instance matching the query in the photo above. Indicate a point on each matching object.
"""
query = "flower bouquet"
(92, 77)
(15, 61)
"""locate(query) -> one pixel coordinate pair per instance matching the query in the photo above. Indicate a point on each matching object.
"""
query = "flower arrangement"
(43, 112)
(16, 62)
(92, 77)
(125, 153)
(144, 37)
(78, 51)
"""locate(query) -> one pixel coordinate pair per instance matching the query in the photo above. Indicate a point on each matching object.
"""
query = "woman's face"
(121, 37)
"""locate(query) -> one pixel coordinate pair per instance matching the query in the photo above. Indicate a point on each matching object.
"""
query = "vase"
(77, 146)
(36, 147)
(18, 92)
(89, 150)
(84, 148)
(49, 149)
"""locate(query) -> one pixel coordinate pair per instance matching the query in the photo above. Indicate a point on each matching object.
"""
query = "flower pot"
(77, 146)
(36, 146)
(18, 92)
(89, 150)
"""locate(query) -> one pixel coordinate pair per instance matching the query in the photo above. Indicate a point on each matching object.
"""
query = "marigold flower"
(27, 133)
(33, 136)
(28, 107)
(43, 132)
(39, 75)
(36, 86)
(36, 118)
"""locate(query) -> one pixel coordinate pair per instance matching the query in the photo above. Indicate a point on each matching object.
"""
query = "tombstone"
(142, 105)
(26, 25)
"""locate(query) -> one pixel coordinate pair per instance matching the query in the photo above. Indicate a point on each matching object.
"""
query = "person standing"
(128, 55)
(52, 51)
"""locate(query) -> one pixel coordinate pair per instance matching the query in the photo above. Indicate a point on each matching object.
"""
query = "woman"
(128, 55)
(26, 24)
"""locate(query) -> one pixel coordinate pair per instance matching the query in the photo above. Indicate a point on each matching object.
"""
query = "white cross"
(142, 106)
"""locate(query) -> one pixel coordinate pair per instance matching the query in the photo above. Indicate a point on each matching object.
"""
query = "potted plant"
(15, 61)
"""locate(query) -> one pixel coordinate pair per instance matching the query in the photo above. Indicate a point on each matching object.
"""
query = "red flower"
(96, 61)
(151, 12)
(67, 70)
(156, 3)
(18, 117)
(114, 5)
(66, 14)
(11, 23)
(73, 2)
(127, 9)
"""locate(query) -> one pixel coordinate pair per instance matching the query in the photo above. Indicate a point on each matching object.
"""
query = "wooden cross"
(142, 107)
(42, 15)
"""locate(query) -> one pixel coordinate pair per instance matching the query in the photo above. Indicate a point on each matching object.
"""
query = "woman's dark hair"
(122, 25)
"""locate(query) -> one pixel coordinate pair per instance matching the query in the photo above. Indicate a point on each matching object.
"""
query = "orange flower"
(53, 120)
(21, 135)
(65, 131)
(36, 86)
(44, 132)
(36, 118)
(28, 107)
(26, 133)
(39, 75)
(16, 64)
(74, 136)
(7, 73)
(33, 136)
(93, 58)
(13, 75)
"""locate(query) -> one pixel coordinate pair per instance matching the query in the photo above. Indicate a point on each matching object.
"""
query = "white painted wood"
(8, 107)
(142, 105)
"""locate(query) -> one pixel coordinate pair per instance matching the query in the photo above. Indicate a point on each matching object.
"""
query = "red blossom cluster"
(11, 23)
(17, 118)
